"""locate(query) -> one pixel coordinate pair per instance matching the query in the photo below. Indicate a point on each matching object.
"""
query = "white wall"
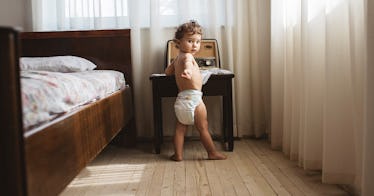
(14, 13)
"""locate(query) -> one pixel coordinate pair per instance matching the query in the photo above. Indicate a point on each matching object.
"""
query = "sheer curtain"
(241, 27)
(318, 65)
(368, 157)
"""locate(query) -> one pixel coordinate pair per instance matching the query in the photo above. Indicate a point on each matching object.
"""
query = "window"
(99, 14)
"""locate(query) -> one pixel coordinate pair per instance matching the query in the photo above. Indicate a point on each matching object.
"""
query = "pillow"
(56, 64)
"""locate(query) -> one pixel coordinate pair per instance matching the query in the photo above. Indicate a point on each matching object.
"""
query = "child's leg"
(180, 132)
(201, 123)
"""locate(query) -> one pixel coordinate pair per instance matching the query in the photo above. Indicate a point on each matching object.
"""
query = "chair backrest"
(208, 56)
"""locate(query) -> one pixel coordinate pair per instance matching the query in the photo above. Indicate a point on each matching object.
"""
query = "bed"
(43, 159)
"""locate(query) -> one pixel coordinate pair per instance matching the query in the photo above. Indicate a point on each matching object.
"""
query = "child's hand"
(186, 74)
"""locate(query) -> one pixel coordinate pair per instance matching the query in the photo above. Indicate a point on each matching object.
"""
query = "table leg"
(228, 119)
(157, 121)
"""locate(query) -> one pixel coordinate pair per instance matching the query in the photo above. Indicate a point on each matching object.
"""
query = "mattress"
(46, 95)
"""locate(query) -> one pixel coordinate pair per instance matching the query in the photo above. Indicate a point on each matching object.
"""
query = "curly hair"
(191, 27)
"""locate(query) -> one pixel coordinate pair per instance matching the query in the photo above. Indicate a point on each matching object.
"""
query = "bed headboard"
(108, 49)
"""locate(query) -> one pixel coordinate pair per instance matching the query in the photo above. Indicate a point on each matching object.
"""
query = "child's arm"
(187, 72)
(170, 69)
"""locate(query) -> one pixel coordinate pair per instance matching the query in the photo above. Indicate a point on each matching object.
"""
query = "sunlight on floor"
(109, 174)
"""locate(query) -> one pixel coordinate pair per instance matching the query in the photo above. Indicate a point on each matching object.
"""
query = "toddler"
(189, 106)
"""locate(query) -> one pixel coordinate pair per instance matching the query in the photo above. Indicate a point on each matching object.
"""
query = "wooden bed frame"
(43, 160)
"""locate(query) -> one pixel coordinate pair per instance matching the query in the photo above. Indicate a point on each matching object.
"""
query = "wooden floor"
(252, 169)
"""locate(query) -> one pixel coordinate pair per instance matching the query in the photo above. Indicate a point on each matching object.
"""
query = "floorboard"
(251, 169)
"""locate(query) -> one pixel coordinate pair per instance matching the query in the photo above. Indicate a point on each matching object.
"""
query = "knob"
(208, 62)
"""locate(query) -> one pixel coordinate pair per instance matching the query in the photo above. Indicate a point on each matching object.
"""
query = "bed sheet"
(46, 95)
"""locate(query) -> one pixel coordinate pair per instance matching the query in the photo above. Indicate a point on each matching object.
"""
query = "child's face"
(190, 43)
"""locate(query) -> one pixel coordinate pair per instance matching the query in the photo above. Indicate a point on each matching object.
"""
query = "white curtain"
(241, 27)
(368, 155)
(318, 65)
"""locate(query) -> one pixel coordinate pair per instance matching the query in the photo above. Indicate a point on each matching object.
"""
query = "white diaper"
(185, 105)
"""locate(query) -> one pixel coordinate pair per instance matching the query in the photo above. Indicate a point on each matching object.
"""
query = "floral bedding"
(48, 94)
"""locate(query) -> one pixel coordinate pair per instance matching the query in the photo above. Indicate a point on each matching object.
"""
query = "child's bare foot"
(216, 156)
(176, 158)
